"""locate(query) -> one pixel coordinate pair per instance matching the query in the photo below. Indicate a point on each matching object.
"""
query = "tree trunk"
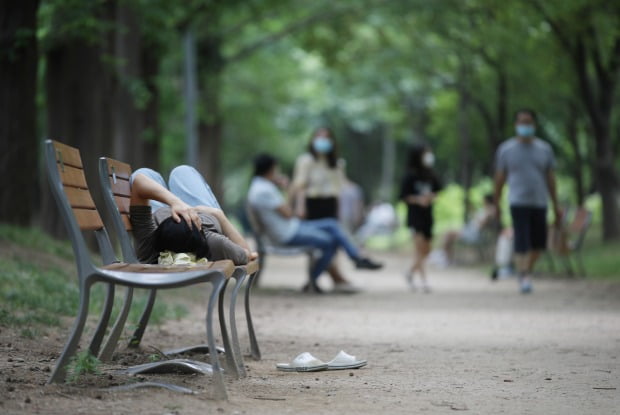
(151, 133)
(78, 102)
(598, 103)
(18, 134)
(572, 132)
(128, 126)
(211, 65)
(464, 134)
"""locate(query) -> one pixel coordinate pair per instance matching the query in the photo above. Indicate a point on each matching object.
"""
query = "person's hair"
(332, 156)
(414, 161)
(263, 163)
(526, 111)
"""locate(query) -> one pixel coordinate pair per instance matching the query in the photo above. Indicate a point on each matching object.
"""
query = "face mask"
(428, 159)
(525, 130)
(322, 145)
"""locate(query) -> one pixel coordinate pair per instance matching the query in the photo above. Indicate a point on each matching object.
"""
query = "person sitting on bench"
(181, 217)
(283, 228)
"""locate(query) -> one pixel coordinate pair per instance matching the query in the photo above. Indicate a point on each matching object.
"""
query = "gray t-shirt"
(265, 198)
(144, 224)
(526, 165)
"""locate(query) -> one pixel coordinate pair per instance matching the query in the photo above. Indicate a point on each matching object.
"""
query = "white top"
(316, 178)
(265, 198)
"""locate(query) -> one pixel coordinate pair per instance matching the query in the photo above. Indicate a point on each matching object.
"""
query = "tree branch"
(555, 26)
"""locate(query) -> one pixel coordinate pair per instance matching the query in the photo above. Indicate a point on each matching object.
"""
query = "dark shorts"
(530, 228)
(321, 208)
(420, 219)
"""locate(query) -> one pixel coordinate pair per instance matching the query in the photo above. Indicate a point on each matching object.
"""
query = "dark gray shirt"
(526, 165)
(144, 224)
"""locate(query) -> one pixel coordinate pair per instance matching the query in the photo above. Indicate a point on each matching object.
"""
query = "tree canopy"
(113, 78)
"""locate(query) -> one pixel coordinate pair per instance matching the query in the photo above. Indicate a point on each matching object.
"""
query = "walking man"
(527, 164)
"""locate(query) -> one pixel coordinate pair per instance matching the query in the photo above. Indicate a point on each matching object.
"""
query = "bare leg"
(423, 248)
(335, 273)
(532, 258)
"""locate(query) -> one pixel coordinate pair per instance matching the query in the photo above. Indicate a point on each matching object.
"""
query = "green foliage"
(82, 363)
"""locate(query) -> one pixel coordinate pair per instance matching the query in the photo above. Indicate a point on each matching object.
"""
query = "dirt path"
(471, 345)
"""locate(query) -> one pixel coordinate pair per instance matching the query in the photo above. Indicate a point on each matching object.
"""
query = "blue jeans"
(327, 236)
(184, 182)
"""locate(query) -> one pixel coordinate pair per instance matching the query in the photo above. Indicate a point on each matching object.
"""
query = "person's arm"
(553, 194)
(228, 229)
(144, 189)
(300, 179)
(285, 210)
(500, 180)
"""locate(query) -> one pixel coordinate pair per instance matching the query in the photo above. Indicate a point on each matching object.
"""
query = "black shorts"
(530, 228)
(321, 207)
(420, 219)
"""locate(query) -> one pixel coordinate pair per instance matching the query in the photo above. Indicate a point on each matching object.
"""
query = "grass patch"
(35, 294)
(82, 363)
(600, 258)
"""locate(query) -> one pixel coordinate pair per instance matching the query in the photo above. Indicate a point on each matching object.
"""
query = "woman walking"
(419, 189)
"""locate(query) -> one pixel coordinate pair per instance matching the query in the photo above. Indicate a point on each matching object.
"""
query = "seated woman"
(181, 217)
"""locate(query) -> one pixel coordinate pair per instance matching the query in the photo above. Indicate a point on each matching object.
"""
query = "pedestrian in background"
(527, 164)
(419, 189)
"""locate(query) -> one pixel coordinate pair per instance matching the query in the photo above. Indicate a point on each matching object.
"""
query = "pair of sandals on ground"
(305, 362)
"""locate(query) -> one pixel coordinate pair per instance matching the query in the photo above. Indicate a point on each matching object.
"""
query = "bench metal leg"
(231, 363)
(254, 348)
(95, 343)
(240, 277)
(136, 338)
(117, 330)
(60, 371)
(218, 379)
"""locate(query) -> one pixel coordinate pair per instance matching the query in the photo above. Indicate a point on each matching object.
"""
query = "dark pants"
(530, 228)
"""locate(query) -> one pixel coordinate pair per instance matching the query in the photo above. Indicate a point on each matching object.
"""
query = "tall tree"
(587, 32)
(18, 133)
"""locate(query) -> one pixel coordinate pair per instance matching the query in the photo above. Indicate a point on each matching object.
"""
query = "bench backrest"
(71, 172)
(114, 177)
(65, 173)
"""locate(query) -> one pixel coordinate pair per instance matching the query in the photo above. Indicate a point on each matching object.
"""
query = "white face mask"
(428, 159)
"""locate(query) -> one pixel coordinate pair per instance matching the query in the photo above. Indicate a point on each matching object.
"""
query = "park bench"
(569, 242)
(79, 213)
(114, 178)
(265, 246)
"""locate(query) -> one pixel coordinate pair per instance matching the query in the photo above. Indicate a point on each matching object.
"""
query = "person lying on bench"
(181, 217)
(285, 229)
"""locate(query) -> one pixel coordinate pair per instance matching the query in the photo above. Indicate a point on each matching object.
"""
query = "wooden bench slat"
(118, 168)
(72, 176)
(122, 203)
(88, 219)
(126, 221)
(121, 188)
(79, 198)
(68, 155)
